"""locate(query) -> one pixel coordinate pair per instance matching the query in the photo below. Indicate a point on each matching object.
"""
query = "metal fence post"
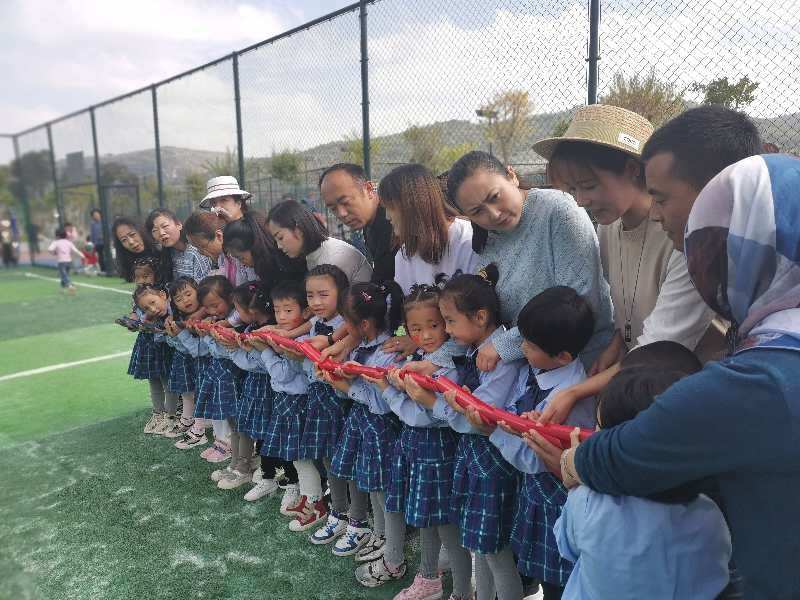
(365, 89)
(101, 196)
(157, 140)
(33, 234)
(594, 50)
(238, 101)
(59, 202)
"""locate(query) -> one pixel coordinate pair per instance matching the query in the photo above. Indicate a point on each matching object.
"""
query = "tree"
(425, 143)
(353, 148)
(286, 166)
(447, 155)
(656, 100)
(730, 95)
(113, 172)
(32, 170)
(560, 128)
(507, 120)
(227, 164)
(196, 185)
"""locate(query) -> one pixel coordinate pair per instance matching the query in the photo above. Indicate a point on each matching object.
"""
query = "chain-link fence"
(386, 82)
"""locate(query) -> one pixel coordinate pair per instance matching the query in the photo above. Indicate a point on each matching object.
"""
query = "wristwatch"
(330, 340)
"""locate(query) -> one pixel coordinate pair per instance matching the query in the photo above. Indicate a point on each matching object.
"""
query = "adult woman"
(597, 160)
(131, 241)
(537, 240)
(736, 421)
(299, 234)
(184, 258)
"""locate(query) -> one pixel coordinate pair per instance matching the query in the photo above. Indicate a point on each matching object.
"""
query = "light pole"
(490, 115)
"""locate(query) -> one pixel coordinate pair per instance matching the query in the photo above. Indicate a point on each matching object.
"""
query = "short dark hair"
(290, 214)
(703, 141)
(380, 303)
(557, 320)
(253, 296)
(95, 210)
(176, 286)
(125, 257)
(471, 293)
(355, 171)
(203, 224)
(631, 391)
(589, 156)
(218, 284)
(338, 276)
(289, 289)
(61, 233)
(665, 355)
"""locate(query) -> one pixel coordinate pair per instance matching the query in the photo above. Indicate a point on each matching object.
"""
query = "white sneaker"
(258, 475)
(333, 528)
(179, 427)
(154, 423)
(353, 540)
(262, 489)
(167, 424)
(372, 550)
(233, 480)
(291, 498)
(220, 474)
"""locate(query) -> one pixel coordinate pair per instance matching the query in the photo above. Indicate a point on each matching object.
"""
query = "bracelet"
(569, 478)
(330, 340)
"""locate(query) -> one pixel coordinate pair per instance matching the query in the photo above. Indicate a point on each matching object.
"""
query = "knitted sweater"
(554, 244)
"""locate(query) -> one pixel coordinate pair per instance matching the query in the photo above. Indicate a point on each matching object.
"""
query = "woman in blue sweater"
(737, 421)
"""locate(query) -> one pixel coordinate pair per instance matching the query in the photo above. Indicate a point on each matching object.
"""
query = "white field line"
(60, 366)
(87, 285)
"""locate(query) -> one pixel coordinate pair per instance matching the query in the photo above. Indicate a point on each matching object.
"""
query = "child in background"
(371, 313)
(555, 325)
(289, 402)
(484, 484)
(629, 548)
(63, 249)
(182, 374)
(149, 361)
(216, 395)
(424, 456)
(89, 259)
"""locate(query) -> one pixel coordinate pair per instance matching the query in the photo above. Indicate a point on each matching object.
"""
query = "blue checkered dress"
(422, 475)
(483, 498)
(201, 365)
(324, 421)
(539, 502)
(364, 453)
(282, 437)
(182, 376)
(255, 405)
(147, 357)
(216, 398)
(166, 360)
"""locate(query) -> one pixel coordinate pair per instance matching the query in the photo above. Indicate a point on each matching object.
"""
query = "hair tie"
(485, 276)
(366, 296)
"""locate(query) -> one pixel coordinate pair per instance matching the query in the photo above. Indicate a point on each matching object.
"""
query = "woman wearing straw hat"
(597, 160)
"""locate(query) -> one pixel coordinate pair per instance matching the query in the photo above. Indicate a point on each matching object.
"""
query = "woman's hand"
(477, 422)
(487, 358)
(402, 345)
(340, 350)
(559, 407)
(614, 352)
(379, 382)
(319, 342)
(198, 315)
(423, 367)
(418, 394)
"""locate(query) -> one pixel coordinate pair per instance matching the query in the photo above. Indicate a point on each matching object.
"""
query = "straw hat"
(219, 187)
(603, 125)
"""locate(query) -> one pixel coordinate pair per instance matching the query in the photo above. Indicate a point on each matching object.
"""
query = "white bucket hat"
(219, 187)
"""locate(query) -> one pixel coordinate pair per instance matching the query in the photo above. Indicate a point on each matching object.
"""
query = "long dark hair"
(293, 215)
(250, 234)
(163, 212)
(380, 303)
(471, 293)
(125, 257)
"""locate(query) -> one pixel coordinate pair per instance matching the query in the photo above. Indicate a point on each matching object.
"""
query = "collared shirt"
(380, 246)
(334, 322)
(583, 414)
(630, 548)
(189, 263)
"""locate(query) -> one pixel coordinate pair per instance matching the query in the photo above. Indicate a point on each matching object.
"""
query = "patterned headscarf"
(743, 249)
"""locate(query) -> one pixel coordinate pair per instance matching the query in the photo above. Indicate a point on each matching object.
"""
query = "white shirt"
(458, 256)
(336, 252)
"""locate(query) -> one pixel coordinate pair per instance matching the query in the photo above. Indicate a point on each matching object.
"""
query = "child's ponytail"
(254, 296)
(380, 303)
(471, 293)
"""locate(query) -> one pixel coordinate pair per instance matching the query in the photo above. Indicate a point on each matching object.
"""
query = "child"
(182, 374)
(63, 249)
(216, 393)
(89, 259)
(630, 548)
(289, 387)
(149, 358)
(424, 457)
(371, 312)
(484, 484)
(555, 325)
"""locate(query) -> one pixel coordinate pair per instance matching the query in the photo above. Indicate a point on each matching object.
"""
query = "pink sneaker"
(422, 589)
(219, 452)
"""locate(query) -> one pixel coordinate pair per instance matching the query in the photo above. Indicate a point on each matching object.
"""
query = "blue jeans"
(63, 272)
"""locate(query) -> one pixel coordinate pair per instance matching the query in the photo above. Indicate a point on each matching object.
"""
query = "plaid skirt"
(147, 358)
(166, 360)
(215, 399)
(364, 453)
(255, 405)
(483, 498)
(324, 421)
(282, 436)
(182, 374)
(539, 502)
(422, 475)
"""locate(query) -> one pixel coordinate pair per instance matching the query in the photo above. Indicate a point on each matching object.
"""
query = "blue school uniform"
(147, 356)
(484, 484)
(326, 410)
(215, 398)
(289, 385)
(424, 456)
(371, 429)
(182, 375)
(541, 494)
(255, 400)
(195, 347)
